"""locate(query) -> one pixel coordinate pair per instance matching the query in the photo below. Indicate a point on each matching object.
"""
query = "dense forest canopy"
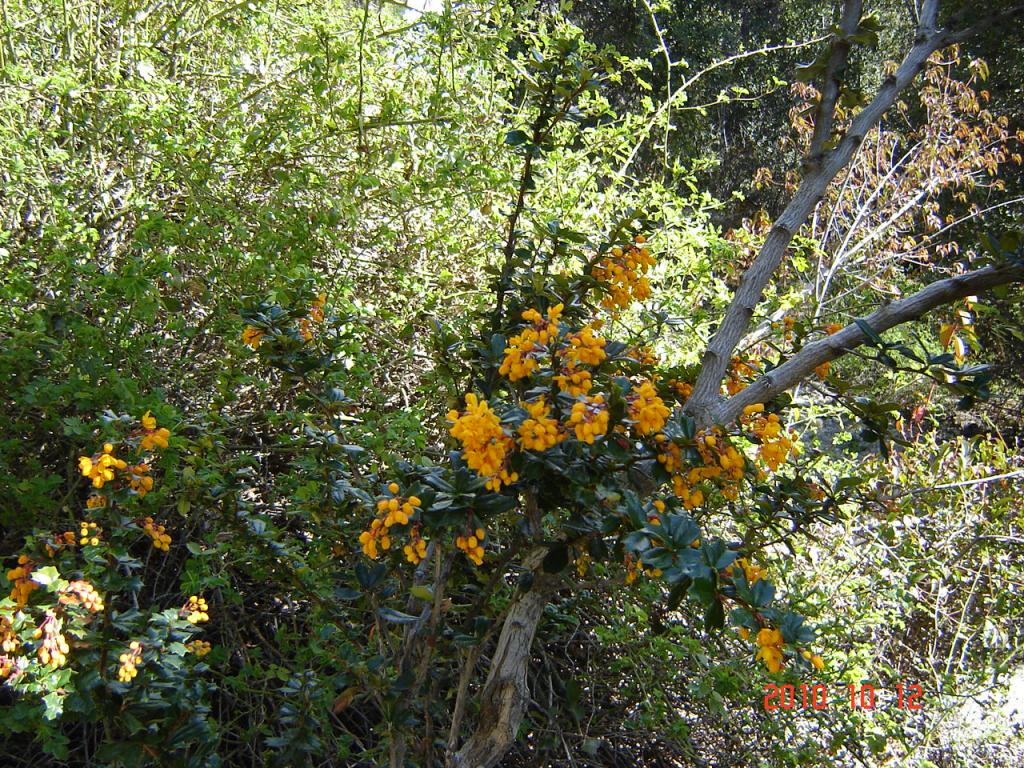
(522, 384)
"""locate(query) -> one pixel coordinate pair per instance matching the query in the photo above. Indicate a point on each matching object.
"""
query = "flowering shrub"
(74, 637)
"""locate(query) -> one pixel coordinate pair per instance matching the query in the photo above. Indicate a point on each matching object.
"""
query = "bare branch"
(682, 92)
(800, 366)
(957, 36)
(740, 311)
(824, 118)
(961, 484)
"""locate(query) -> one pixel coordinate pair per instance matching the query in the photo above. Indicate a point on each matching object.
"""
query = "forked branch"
(803, 363)
(741, 309)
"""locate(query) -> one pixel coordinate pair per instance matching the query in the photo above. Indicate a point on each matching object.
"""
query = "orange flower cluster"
(634, 568)
(89, 533)
(152, 437)
(20, 578)
(485, 446)
(196, 610)
(776, 443)
(472, 544)
(524, 350)
(199, 647)
(396, 510)
(573, 381)
(583, 348)
(59, 542)
(589, 418)
(9, 641)
(647, 410)
(416, 549)
(654, 518)
(643, 355)
(139, 479)
(622, 274)
(739, 373)
(769, 649)
(539, 432)
(161, 539)
(316, 311)
(129, 662)
(682, 388)
(252, 336)
(100, 468)
(720, 462)
(752, 572)
(769, 643)
(53, 650)
(83, 593)
(816, 661)
(786, 325)
(823, 370)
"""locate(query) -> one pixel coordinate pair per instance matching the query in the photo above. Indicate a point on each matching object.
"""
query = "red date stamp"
(818, 696)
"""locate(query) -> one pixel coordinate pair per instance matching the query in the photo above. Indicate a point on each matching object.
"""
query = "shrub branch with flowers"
(73, 637)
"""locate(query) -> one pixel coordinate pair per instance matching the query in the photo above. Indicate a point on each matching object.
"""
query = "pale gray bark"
(803, 363)
(506, 695)
(819, 176)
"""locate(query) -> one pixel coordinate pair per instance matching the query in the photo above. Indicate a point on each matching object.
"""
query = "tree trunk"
(505, 695)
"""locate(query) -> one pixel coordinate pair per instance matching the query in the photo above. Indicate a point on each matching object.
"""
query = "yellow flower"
(472, 545)
(129, 662)
(101, 468)
(153, 437)
(539, 432)
(770, 648)
(646, 409)
(583, 348)
(485, 446)
(139, 479)
(589, 418)
(525, 348)
(252, 336)
(575, 382)
(21, 581)
(161, 539)
(415, 550)
(196, 610)
(316, 311)
(752, 572)
(622, 275)
(53, 650)
(83, 593)
(199, 647)
(771, 656)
